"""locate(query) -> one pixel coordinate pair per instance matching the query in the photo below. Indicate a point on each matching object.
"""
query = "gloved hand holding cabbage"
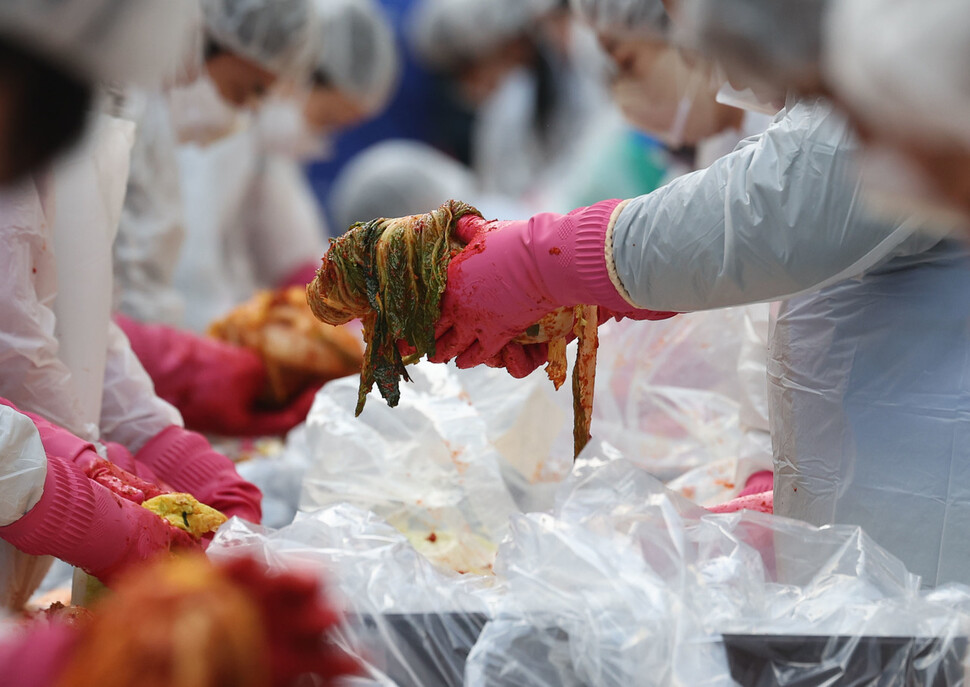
(451, 285)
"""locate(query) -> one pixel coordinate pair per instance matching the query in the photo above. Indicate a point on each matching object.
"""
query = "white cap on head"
(902, 65)
(121, 41)
(278, 35)
(446, 32)
(624, 16)
(397, 178)
(356, 51)
(773, 42)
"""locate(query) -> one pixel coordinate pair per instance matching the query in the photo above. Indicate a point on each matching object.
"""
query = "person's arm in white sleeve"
(779, 216)
(23, 465)
(31, 374)
(286, 230)
(131, 412)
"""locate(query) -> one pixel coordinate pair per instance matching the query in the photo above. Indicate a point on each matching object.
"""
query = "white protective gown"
(60, 355)
(250, 219)
(867, 377)
(151, 233)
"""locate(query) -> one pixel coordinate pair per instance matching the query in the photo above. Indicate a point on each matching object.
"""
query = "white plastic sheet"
(627, 583)
(427, 466)
(410, 622)
(685, 395)
(670, 394)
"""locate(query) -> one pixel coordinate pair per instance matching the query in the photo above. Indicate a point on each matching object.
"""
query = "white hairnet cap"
(446, 32)
(356, 50)
(397, 178)
(777, 42)
(120, 41)
(623, 16)
(279, 35)
(903, 65)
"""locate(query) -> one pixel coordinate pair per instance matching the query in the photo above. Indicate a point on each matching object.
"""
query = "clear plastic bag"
(670, 394)
(426, 466)
(628, 583)
(530, 425)
(409, 622)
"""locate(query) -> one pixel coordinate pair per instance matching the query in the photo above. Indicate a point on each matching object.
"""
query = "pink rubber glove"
(759, 483)
(186, 461)
(301, 276)
(511, 274)
(216, 386)
(122, 475)
(35, 656)
(123, 458)
(83, 523)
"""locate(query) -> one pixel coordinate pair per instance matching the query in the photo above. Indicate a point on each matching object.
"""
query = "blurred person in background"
(905, 86)
(58, 496)
(249, 217)
(421, 108)
(400, 177)
(512, 63)
(251, 220)
(873, 324)
(906, 109)
(669, 94)
(231, 59)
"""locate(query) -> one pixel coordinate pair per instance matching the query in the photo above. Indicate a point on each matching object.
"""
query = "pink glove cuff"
(187, 462)
(570, 253)
(759, 482)
(57, 441)
(62, 515)
(78, 521)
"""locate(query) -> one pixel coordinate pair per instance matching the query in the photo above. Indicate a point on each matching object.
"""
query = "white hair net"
(446, 32)
(624, 16)
(357, 52)
(105, 40)
(279, 35)
(777, 42)
(902, 65)
(395, 179)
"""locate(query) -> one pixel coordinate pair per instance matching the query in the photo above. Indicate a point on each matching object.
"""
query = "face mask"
(746, 100)
(282, 130)
(200, 115)
(676, 125)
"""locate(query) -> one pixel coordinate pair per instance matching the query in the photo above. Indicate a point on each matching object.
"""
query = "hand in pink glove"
(511, 274)
(187, 462)
(213, 384)
(85, 524)
(121, 457)
(118, 475)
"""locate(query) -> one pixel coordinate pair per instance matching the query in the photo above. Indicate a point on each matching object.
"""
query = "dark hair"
(48, 109)
(548, 94)
(320, 79)
(212, 49)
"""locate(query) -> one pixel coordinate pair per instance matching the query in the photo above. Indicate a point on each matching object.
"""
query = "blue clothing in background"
(421, 109)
